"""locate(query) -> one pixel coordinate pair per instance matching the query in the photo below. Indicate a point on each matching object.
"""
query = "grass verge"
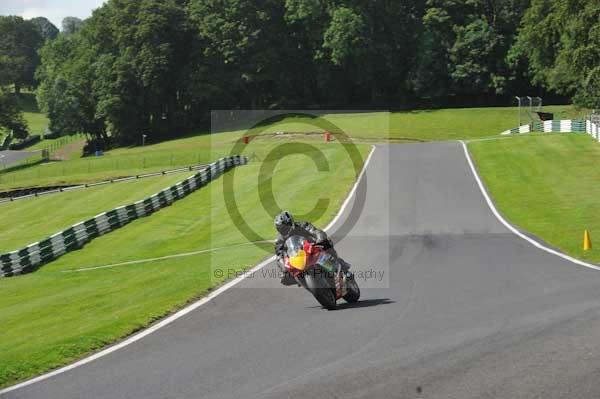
(546, 184)
(30, 220)
(424, 125)
(52, 317)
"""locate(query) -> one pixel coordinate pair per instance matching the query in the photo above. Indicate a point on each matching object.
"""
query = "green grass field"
(447, 124)
(30, 220)
(52, 317)
(136, 160)
(55, 144)
(112, 165)
(36, 122)
(422, 125)
(546, 184)
(419, 125)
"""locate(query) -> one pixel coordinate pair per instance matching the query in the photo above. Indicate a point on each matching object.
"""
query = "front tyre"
(352, 291)
(321, 290)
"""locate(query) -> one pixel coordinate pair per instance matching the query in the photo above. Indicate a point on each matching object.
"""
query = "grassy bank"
(36, 120)
(445, 124)
(418, 125)
(546, 185)
(422, 125)
(52, 317)
(30, 220)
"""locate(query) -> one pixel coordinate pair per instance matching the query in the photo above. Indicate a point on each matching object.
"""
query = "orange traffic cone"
(587, 242)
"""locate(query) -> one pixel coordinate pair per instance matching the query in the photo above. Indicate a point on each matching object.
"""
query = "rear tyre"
(321, 290)
(353, 291)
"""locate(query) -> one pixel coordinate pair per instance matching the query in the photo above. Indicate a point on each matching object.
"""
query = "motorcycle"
(319, 272)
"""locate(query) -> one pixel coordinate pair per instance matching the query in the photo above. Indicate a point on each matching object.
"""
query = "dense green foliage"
(464, 46)
(20, 41)
(46, 28)
(561, 42)
(158, 67)
(11, 119)
(71, 25)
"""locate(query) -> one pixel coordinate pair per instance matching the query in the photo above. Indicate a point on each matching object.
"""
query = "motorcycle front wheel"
(321, 290)
(352, 291)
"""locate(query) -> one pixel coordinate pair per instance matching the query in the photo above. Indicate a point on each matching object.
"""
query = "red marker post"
(246, 139)
(327, 136)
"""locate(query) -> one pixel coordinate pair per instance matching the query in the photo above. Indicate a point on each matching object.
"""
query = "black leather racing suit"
(314, 235)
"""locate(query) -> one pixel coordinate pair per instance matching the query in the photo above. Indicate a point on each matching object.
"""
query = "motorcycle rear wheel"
(321, 290)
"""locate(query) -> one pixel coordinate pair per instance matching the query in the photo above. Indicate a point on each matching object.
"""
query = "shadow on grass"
(28, 103)
(22, 166)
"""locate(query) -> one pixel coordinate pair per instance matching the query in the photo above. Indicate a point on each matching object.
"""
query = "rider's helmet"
(284, 222)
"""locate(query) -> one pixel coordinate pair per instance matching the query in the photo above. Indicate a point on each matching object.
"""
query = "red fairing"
(307, 247)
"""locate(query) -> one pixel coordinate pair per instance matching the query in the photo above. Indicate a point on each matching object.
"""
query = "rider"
(286, 227)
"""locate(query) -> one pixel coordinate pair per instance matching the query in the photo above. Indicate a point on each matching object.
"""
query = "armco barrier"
(557, 126)
(37, 254)
(99, 183)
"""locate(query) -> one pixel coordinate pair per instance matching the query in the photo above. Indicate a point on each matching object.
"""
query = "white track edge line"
(351, 194)
(184, 311)
(510, 227)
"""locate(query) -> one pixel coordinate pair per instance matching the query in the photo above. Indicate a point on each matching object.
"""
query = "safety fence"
(556, 126)
(592, 129)
(75, 237)
(40, 193)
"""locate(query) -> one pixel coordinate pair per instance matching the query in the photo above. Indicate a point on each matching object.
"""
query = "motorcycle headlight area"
(298, 260)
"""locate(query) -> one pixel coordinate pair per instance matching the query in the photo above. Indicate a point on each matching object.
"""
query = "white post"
(519, 101)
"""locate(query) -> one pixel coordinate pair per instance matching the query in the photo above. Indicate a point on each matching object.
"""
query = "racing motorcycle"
(319, 272)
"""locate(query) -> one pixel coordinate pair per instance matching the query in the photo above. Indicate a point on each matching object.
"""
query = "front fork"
(334, 264)
(340, 282)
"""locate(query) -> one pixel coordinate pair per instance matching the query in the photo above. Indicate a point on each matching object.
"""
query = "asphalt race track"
(465, 309)
(8, 157)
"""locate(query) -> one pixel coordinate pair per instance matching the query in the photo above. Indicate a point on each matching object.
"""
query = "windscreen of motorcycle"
(295, 252)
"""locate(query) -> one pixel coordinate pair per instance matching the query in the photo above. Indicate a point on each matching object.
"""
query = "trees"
(157, 67)
(345, 37)
(119, 77)
(46, 28)
(65, 91)
(466, 47)
(138, 78)
(71, 25)
(11, 119)
(244, 43)
(561, 42)
(19, 43)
